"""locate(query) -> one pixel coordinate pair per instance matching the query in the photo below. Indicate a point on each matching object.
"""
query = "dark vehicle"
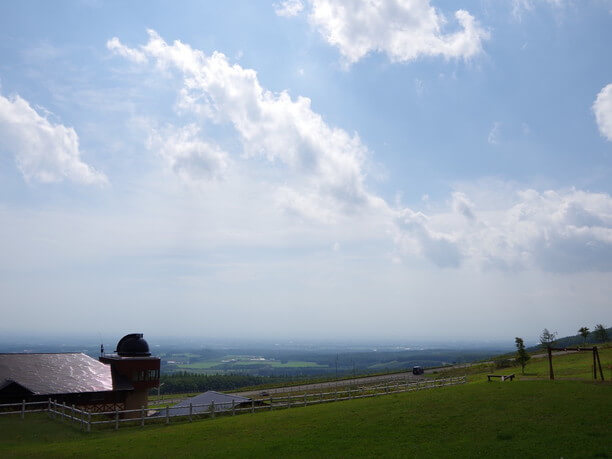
(417, 370)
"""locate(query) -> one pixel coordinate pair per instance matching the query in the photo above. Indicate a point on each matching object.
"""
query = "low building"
(119, 381)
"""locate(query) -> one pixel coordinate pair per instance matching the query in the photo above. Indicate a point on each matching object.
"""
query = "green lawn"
(569, 366)
(518, 419)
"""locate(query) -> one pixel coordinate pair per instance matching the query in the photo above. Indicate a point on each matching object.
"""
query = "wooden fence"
(86, 419)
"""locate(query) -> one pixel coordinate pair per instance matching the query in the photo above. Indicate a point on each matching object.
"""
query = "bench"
(502, 377)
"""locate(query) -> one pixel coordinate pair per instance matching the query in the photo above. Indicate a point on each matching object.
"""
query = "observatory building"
(133, 362)
(116, 381)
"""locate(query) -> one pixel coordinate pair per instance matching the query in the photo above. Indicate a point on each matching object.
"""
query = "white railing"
(86, 419)
(23, 407)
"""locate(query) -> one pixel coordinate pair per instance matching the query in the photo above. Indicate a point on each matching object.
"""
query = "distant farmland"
(267, 362)
(241, 363)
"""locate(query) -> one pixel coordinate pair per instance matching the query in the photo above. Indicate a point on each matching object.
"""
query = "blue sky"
(377, 169)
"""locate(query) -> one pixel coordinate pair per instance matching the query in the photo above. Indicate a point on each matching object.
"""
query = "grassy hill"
(573, 366)
(530, 417)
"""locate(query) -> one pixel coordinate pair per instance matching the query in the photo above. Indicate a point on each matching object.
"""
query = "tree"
(522, 357)
(600, 332)
(547, 338)
(584, 332)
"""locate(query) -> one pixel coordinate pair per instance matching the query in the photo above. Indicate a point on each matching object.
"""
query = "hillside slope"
(526, 418)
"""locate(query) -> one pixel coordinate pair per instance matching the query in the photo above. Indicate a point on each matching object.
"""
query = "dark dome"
(133, 345)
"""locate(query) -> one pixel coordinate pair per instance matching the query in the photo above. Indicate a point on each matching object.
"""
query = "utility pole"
(336, 366)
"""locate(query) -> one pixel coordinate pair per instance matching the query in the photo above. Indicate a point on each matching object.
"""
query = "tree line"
(183, 382)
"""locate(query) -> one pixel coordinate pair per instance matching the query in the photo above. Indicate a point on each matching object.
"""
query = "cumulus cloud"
(557, 231)
(417, 235)
(402, 29)
(44, 151)
(602, 107)
(327, 164)
(288, 8)
(190, 157)
(322, 178)
(134, 55)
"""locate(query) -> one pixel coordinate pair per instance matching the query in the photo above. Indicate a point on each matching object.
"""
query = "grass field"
(237, 362)
(527, 418)
(568, 366)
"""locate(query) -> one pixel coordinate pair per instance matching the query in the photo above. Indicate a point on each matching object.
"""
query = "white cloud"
(558, 231)
(326, 165)
(493, 137)
(603, 111)
(132, 54)
(318, 172)
(519, 7)
(416, 236)
(44, 151)
(288, 8)
(403, 29)
(193, 159)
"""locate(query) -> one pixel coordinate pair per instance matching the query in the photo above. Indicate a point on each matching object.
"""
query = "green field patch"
(241, 361)
(198, 365)
(279, 364)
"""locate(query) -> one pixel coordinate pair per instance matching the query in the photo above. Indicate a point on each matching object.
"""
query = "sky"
(325, 169)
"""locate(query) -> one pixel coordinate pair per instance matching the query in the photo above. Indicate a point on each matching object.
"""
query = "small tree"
(522, 356)
(547, 338)
(584, 332)
(600, 332)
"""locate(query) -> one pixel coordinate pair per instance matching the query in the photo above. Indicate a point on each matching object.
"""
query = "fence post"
(89, 421)
(22, 409)
(73, 414)
(252, 406)
(336, 395)
(63, 409)
(305, 400)
(49, 408)
(212, 409)
(271, 406)
(116, 418)
(190, 411)
(167, 414)
(233, 408)
(142, 416)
